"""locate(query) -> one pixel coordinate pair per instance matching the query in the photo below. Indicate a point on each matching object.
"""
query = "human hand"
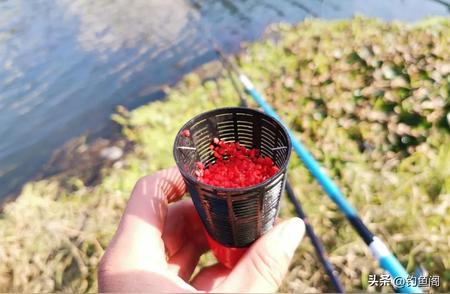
(157, 247)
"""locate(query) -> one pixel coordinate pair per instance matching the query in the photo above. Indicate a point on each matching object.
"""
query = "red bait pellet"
(186, 133)
(236, 166)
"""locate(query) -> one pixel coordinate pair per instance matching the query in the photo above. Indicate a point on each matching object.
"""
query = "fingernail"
(291, 235)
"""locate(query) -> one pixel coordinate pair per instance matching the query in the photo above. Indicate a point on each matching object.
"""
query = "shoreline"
(65, 161)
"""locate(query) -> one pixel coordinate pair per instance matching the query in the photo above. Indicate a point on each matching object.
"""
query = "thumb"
(266, 262)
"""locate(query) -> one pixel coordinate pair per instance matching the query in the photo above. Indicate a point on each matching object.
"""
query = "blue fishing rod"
(379, 250)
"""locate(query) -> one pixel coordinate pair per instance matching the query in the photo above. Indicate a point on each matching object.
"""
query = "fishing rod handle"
(383, 255)
(390, 264)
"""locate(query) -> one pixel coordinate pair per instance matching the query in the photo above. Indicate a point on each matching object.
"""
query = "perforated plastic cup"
(233, 218)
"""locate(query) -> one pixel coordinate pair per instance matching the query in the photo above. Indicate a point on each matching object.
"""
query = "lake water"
(65, 64)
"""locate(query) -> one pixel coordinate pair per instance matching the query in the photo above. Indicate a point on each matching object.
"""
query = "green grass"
(369, 99)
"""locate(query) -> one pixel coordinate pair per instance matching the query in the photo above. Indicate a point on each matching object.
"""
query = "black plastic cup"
(234, 217)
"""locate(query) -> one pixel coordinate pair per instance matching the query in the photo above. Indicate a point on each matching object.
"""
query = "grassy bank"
(369, 99)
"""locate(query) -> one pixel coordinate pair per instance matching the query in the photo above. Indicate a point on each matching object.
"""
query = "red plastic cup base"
(228, 256)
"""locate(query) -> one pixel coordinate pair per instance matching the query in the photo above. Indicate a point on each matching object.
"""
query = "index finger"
(137, 244)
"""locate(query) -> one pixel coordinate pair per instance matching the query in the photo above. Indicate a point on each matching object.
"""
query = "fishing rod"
(379, 250)
(315, 241)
